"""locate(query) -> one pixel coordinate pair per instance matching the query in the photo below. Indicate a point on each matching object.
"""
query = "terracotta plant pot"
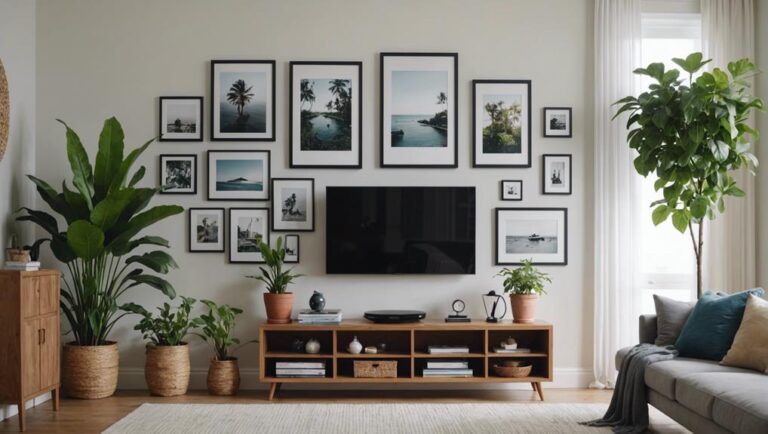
(524, 307)
(167, 369)
(279, 307)
(223, 377)
(90, 372)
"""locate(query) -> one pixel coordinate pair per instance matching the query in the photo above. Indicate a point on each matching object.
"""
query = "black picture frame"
(276, 206)
(475, 123)
(359, 94)
(544, 123)
(223, 230)
(564, 211)
(544, 189)
(234, 245)
(214, 100)
(161, 172)
(298, 248)
(267, 177)
(201, 130)
(501, 187)
(382, 153)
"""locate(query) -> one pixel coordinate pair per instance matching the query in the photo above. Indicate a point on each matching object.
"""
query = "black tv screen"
(400, 230)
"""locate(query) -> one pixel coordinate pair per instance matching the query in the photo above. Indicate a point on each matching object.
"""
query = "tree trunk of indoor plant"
(223, 377)
(167, 369)
(90, 372)
(279, 307)
(524, 307)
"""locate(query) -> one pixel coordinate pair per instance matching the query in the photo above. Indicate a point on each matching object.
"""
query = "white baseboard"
(7, 411)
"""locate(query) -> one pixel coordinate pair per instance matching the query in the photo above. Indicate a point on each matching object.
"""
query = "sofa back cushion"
(750, 346)
(670, 318)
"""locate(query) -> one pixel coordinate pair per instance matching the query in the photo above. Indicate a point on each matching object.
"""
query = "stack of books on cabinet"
(22, 266)
(447, 368)
(315, 369)
(325, 317)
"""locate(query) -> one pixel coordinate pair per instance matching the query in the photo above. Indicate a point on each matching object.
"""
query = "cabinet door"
(30, 297)
(49, 351)
(31, 335)
(48, 292)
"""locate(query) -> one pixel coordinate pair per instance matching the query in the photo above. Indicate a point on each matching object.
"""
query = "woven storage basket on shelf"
(512, 371)
(375, 368)
(167, 369)
(223, 377)
(90, 372)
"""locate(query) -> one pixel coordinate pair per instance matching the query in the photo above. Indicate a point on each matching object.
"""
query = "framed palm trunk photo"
(501, 123)
(293, 204)
(538, 234)
(243, 100)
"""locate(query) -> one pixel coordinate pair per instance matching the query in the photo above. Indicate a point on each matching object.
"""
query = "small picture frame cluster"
(538, 234)
(557, 122)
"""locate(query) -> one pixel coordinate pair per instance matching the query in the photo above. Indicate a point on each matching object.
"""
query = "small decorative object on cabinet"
(293, 204)
(491, 303)
(235, 113)
(458, 307)
(217, 325)
(317, 302)
(524, 284)
(355, 347)
(29, 336)
(513, 368)
(181, 119)
(556, 174)
(312, 347)
(298, 345)
(557, 122)
(278, 302)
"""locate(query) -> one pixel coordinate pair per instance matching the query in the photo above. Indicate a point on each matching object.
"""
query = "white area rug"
(360, 418)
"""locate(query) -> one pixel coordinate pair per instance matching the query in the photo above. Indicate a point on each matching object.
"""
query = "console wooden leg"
(272, 390)
(534, 386)
(540, 390)
(22, 416)
(55, 395)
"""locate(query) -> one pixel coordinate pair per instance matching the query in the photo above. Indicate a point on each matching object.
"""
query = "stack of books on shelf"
(328, 316)
(447, 349)
(300, 369)
(447, 368)
(22, 266)
(510, 347)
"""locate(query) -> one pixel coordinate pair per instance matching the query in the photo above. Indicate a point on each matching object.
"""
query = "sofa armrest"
(648, 329)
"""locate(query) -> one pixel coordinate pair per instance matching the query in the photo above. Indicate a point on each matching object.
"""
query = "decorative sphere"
(313, 346)
(317, 302)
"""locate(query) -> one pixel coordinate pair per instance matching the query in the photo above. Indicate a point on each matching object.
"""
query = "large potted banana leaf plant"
(102, 217)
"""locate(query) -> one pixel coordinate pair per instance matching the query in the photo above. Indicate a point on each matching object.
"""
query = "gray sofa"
(703, 395)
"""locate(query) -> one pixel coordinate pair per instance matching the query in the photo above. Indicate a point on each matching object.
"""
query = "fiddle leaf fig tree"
(691, 134)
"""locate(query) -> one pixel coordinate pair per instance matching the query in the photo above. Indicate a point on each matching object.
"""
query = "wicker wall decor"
(5, 111)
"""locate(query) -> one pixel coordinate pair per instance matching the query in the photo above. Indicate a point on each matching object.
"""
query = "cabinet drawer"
(39, 295)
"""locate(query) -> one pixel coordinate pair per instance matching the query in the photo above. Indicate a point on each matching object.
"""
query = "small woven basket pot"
(90, 372)
(167, 369)
(223, 377)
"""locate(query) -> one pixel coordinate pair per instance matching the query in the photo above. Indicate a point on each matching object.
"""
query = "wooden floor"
(82, 417)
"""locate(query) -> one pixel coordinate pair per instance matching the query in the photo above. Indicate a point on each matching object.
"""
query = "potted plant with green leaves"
(216, 327)
(103, 217)
(167, 366)
(277, 300)
(524, 284)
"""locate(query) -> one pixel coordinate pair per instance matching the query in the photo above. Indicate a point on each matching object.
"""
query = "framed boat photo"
(538, 234)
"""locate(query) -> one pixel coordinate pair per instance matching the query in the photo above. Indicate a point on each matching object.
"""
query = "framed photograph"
(326, 115)
(181, 119)
(206, 230)
(512, 189)
(501, 123)
(556, 174)
(238, 175)
(291, 249)
(293, 204)
(243, 100)
(419, 109)
(178, 174)
(557, 122)
(538, 234)
(248, 227)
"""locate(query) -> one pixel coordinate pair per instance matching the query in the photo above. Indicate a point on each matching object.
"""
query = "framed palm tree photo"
(243, 100)
(501, 123)
(326, 115)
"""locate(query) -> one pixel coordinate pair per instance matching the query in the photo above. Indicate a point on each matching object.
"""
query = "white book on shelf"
(447, 364)
(446, 349)
(318, 372)
(511, 351)
(299, 365)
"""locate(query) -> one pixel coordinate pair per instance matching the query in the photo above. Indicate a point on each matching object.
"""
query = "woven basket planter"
(167, 369)
(223, 377)
(90, 372)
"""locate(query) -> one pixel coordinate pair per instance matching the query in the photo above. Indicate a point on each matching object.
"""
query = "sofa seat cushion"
(662, 376)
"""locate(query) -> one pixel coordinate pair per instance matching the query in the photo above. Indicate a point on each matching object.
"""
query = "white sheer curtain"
(730, 241)
(617, 54)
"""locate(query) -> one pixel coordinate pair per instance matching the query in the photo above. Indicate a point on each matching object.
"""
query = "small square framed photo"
(243, 100)
(181, 119)
(178, 174)
(291, 249)
(538, 234)
(238, 175)
(556, 174)
(293, 204)
(206, 230)
(512, 189)
(248, 227)
(557, 122)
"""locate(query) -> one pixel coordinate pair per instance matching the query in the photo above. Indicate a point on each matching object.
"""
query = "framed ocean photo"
(248, 228)
(325, 107)
(538, 234)
(238, 175)
(293, 204)
(243, 100)
(419, 110)
(181, 119)
(501, 123)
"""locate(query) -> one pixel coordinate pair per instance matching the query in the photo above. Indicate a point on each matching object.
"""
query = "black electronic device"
(395, 316)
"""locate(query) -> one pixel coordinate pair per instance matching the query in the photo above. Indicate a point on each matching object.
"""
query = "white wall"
(761, 54)
(102, 58)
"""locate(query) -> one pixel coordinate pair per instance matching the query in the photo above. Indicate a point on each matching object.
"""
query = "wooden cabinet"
(29, 337)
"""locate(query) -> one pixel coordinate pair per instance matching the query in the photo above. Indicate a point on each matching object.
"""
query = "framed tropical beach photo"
(556, 173)
(181, 119)
(557, 122)
(325, 107)
(538, 234)
(248, 227)
(238, 175)
(206, 230)
(512, 189)
(501, 123)
(419, 109)
(243, 100)
(178, 174)
(293, 204)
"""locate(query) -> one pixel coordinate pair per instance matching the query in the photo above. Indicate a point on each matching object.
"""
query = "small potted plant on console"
(524, 284)
(217, 325)
(277, 300)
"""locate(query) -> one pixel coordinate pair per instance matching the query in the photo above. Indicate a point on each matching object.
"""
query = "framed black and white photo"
(556, 173)
(291, 249)
(538, 234)
(293, 204)
(238, 175)
(243, 100)
(248, 227)
(206, 229)
(557, 122)
(419, 109)
(512, 189)
(326, 115)
(501, 123)
(181, 119)
(178, 174)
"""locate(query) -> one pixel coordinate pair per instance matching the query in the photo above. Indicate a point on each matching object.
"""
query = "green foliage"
(503, 133)
(526, 279)
(102, 216)
(217, 326)
(274, 276)
(169, 328)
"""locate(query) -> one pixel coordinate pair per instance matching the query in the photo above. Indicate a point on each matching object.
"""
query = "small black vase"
(317, 302)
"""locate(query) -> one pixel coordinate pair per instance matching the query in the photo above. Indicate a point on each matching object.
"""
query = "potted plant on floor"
(103, 215)
(167, 367)
(524, 284)
(278, 302)
(216, 326)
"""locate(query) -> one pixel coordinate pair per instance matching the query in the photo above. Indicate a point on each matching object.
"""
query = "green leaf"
(42, 219)
(109, 156)
(660, 213)
(692, 63)
(125, 248)
(719, 150)
(61, 249)
(119, 180)
(106, 212)
(85, 239)
(155, 282)
(143, 220)
(159, 261)
(696, 133)
(699, 207)
(660, 117)
(81, 167)
(138, 176)
(134, 308)
(736, 191)
(721, 79)
(680, 220)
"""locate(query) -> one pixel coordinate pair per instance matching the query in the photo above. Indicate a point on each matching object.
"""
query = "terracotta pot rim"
(74, 344)
(278, 293)
(525, 295)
